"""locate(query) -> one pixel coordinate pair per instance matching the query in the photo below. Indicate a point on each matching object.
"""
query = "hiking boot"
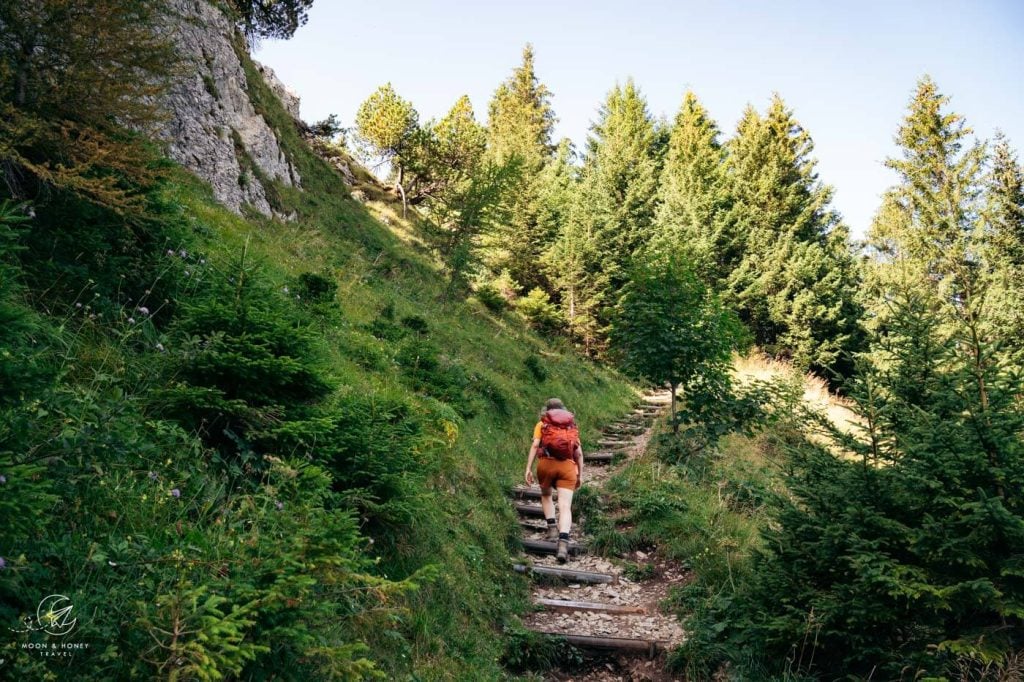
(563, 551)
(552, 533)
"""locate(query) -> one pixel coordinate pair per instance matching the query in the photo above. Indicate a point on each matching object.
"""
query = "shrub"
(536, 368)
(540, 312)
(314, 288)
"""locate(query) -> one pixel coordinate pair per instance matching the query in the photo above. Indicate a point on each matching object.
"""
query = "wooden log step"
(529, 509)
(625, 428)
(548, 547)
(590, 606)
(650, 647)
(598, 458)
(531, 492)
(612, 443)
(566, 574)
(534, 527)
(656, 399)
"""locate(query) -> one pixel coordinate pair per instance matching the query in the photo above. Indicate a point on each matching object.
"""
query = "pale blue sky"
(847, 69)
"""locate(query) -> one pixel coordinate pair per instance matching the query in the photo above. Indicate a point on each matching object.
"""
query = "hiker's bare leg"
(546, 504)
(564, 510)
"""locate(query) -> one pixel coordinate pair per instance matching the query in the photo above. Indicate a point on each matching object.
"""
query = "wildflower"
(143, 309)
(153, 475)
(202, 261)
(131, 320)
(3, 563)
(160, 347)
(78, 305)
(3, 479)
(286, 290)
(175, 493)
(186, 273)
(170, 252)
(279, 505)
(183, 253)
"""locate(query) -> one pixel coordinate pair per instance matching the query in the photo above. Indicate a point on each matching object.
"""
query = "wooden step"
(590, 606)
(531, 492)
(630, 429)
(611, 443)
(529, 509)
(533, 527)
(650, 647)
(567, 574)
(599, 457)
(549, 547)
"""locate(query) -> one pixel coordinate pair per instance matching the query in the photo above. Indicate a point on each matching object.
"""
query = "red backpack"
(558, 434)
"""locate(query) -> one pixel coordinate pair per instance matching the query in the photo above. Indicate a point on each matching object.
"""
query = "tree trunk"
(672, 401)
(401, 190)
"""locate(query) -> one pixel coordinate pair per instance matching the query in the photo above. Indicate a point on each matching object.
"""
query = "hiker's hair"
(552, 404)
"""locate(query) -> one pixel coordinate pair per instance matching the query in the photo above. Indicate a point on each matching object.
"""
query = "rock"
(360, 196)
(212, 127)
(288, 97)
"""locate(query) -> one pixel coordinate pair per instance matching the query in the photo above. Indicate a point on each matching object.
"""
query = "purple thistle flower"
(175, 493)
(3, 563)
(153, 476)
(143, 309)
(279, 505)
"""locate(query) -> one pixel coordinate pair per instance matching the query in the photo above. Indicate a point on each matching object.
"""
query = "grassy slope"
(453, 625)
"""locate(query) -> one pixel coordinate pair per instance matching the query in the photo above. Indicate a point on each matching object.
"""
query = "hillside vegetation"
(276, 444)
(253, 447)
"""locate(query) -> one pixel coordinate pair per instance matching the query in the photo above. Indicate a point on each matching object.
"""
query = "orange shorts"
(560, 473)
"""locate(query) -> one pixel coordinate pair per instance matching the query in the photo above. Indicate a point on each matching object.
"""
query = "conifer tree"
(695, 208)
(613, 214)
(387, 129)
(795, 284)
(620, 179)
(1004, 240)
(519, 126)
(928, 237)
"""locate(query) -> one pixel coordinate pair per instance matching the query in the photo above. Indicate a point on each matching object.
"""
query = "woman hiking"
(556, 446)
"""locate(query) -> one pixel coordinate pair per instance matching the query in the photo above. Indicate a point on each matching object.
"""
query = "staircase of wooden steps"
(622, 627)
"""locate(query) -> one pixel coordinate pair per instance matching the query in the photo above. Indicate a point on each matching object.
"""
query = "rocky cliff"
(212, 127)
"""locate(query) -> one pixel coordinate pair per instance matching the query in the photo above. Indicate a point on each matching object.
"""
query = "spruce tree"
(696, 201)
(620, 180)
(795, 284)
(519, 126)
(613, 214)
(1004, 240)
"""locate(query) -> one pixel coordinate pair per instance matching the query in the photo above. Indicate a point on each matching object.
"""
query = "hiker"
(556, 445)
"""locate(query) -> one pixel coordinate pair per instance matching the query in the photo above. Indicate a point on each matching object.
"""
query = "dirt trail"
(591, 601)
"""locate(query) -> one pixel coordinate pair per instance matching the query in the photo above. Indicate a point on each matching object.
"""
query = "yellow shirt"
(536, 430)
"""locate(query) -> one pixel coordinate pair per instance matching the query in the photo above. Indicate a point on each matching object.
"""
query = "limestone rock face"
(212, 127)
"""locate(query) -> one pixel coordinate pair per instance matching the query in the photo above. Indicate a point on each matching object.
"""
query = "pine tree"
(613, 214)
(620, 179)
(519, 126)
(521, 119)
(388, 129)
(696, 201)
(928, 236)
(795, 284)
(1004, 240)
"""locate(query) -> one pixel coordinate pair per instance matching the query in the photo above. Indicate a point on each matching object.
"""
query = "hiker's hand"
(529, 477)
(579, 481)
